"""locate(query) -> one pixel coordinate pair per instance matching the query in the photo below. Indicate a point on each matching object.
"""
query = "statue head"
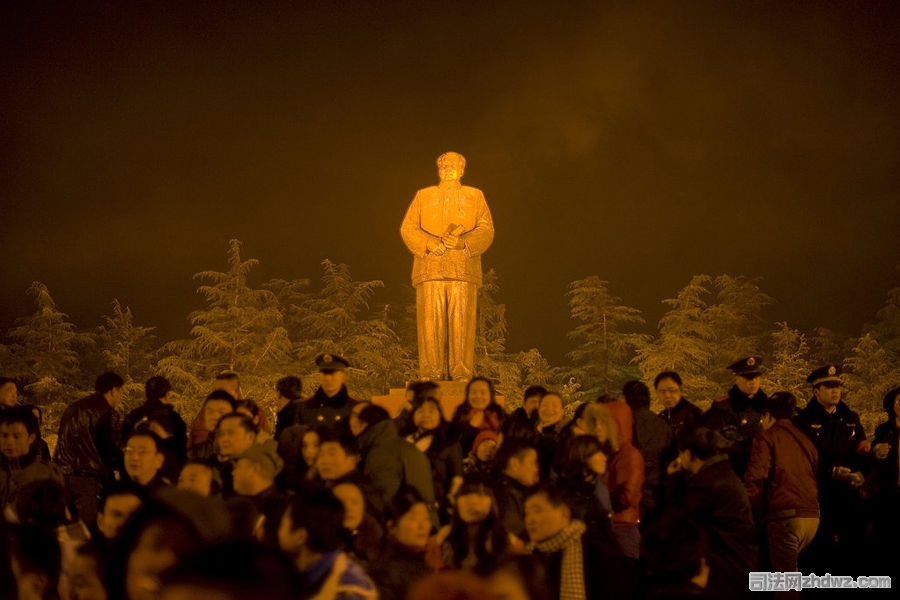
(451, 166)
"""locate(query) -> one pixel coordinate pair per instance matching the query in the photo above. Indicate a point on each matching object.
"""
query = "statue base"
(452, 395)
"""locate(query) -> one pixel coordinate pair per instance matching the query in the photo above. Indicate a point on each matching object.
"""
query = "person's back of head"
(637, 394)
(321, 515)
(534, 390)
(234, 570)
(702, 442)
(290, 387)
(42, 503)
(107, 381)
(36, 558)
(675, 550)
(422, 390)
(372, 414)
(156, 388)
(780, 405)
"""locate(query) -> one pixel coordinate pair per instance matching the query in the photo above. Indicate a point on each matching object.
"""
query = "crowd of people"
(338, 498)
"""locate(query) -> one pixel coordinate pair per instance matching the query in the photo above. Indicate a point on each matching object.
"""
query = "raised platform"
(452, 395)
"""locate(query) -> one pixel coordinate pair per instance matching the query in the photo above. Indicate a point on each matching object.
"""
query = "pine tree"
(526, 368)
(870, 374)
(736, 318)
(125, 348)
(491, 359)
(886, 328)
(829, 347)
(607, 342)
(338, 319)
(240, 330)
(712, 322)
(49, 345)
(686, 341)
(790, 362)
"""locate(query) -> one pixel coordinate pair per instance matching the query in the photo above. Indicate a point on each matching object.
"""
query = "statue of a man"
(447, 227)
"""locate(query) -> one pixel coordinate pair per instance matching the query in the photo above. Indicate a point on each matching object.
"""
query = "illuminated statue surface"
(447, 228)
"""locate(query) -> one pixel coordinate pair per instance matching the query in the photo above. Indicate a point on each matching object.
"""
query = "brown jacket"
(781, 474)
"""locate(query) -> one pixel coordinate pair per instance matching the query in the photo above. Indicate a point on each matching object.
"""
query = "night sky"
(641, 144)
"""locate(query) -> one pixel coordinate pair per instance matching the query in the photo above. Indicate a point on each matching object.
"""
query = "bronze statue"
(447, 227)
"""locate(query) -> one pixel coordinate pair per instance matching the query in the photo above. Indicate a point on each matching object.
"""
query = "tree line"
(264, 332)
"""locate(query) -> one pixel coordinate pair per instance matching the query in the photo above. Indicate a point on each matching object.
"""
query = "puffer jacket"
(391, 462)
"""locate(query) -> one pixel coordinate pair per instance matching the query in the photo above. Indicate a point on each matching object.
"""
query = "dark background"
(643, 144)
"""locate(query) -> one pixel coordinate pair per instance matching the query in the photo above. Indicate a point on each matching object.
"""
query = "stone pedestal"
(452, 395)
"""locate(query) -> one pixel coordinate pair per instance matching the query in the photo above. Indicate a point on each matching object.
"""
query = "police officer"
(843, 455)
(331, 404)
(736, 415)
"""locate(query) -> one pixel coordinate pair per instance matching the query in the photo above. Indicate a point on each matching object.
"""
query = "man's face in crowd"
(524, 468)
(213, 411)
(115, 396)
(244, 476)
(333, 462)
(117, 510)
(84, 579)
(9, 394)
(669, 392)
(15, 441)
(749, 385)
(542, 519)
(531, 403)
(142, 459)
(232, 438)
(828, 394)
(331, 381)
(354, 504)
(196, 478)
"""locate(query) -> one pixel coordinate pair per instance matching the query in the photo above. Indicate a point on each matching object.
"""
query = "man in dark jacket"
(290, 392)
(20, 460)
(736, 415)
(714, 497)
(578, 566)
(87, 448)
(158, 406)
(781, 483)
(518, 472)
(331, 404)
(843, 449)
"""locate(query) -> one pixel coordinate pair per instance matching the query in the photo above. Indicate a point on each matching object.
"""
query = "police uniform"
(843, 449)
(320, 409)
(736, 416)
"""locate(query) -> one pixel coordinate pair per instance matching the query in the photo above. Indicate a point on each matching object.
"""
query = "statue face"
(450, 171)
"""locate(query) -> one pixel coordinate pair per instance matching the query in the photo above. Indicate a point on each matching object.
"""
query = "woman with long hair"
(581, 465)
(478, 412)
(430, 433)
(475, 537)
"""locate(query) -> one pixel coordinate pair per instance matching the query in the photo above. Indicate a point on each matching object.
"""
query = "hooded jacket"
(626, 469)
